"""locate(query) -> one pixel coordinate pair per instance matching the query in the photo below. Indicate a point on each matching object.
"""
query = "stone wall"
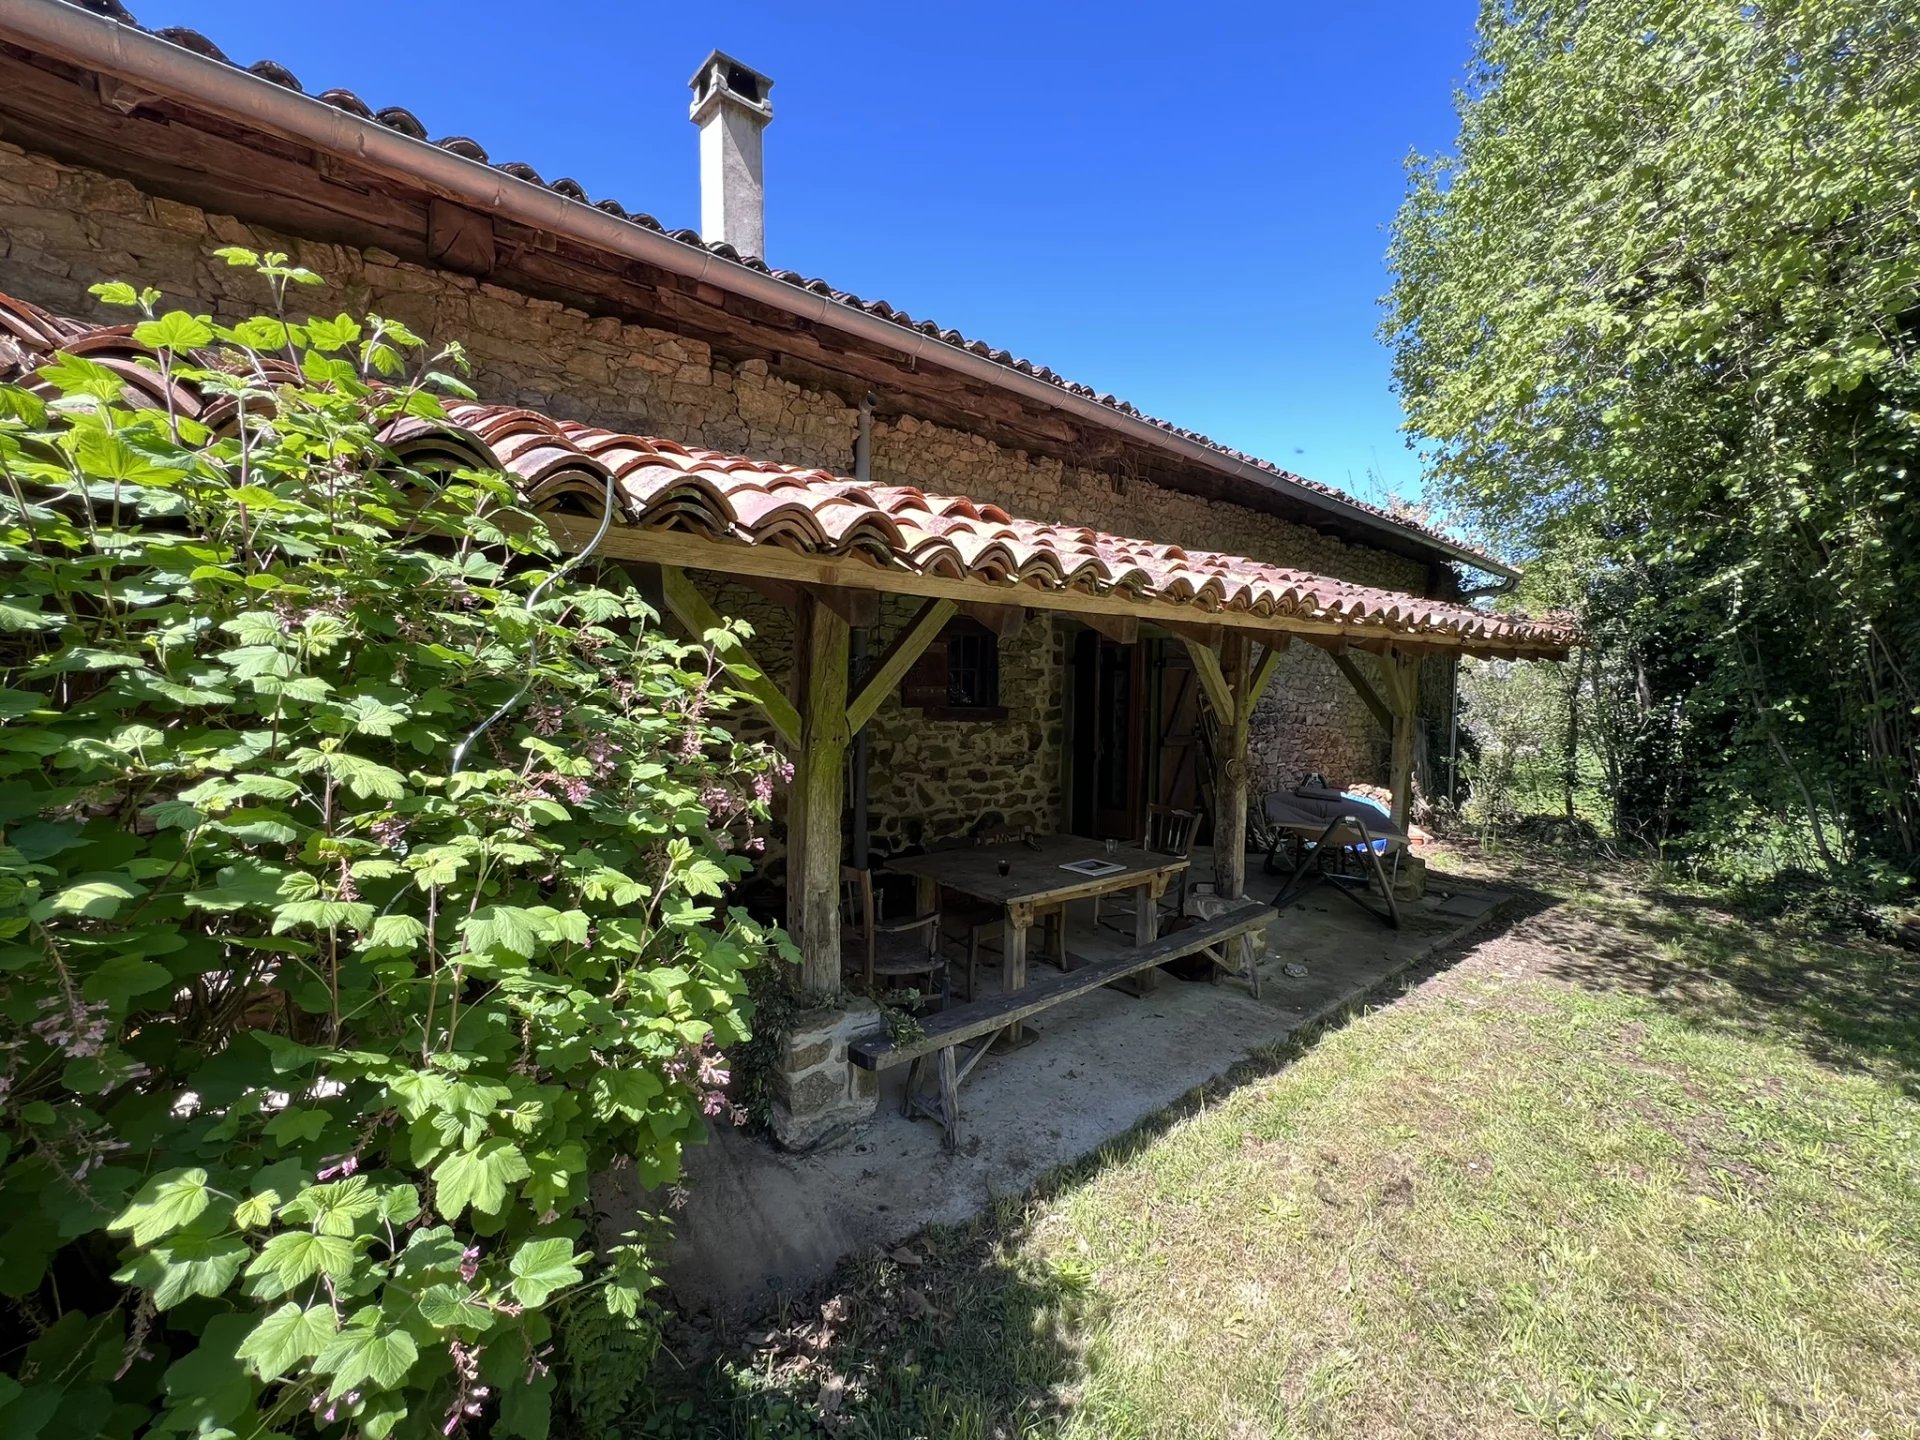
(63, 228)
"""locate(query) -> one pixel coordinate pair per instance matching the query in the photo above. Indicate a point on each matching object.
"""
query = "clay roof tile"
(662, 483)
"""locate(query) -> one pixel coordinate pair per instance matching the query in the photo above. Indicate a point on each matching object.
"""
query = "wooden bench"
(976, 1024)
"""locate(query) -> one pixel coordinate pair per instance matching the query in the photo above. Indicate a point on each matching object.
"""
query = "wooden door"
(1117, 729)
(1180, 768)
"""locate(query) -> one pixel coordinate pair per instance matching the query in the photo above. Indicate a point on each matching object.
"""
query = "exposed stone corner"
(820, 1095)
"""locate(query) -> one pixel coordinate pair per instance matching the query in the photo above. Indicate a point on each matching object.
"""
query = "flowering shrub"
(360, 895)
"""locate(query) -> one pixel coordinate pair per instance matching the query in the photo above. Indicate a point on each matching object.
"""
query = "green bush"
(360, 897)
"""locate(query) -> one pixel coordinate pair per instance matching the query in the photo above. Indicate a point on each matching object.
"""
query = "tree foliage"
(1655, 325)
(360, 897)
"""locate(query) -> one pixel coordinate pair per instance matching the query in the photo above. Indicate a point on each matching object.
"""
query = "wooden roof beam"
(907, 647)
(691, 609)
(649, 545)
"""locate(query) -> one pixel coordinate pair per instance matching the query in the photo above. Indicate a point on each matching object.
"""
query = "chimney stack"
(731, 108)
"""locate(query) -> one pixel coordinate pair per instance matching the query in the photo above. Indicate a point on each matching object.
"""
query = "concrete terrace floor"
(761, 1221)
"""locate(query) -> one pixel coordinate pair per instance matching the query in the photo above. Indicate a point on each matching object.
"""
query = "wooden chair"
(975, 928)
(1167, 832)
(887, 950)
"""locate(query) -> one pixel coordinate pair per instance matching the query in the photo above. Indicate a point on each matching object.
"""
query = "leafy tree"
(1655, 325)
(359, 899)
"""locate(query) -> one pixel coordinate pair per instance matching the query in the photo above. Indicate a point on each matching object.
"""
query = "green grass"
(1635, 1168)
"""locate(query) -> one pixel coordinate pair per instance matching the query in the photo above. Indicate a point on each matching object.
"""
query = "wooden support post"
(1263, 672)
(1213, 680)
(859, 608)
(1402, 673)
(1230, 768)
(813, 805)
(691, 609)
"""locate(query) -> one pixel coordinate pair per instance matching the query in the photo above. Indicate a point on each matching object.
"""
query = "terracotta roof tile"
(663, 484)
(405, 122)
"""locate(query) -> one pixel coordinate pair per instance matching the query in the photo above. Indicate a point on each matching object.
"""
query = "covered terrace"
(828, 547)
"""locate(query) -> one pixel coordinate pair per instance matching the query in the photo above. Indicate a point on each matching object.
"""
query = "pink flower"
(77, 1027)
(469, 1263)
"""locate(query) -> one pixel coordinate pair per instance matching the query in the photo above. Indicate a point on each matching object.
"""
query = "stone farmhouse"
(928, 533)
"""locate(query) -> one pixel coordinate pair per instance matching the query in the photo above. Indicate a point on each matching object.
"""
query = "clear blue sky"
(1183, 204)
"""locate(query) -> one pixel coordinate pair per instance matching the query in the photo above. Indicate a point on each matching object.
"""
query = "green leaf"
(624, 1092)
(336, 1208)
(176, 330)
(495, 930)
(478, 1178)
(397, 932)
(334, 334)
(285, 1337)
(298, 1125)
(165, 1204)
(196, 1265)
(256, 1210)
(122, 977)
(207, 1387)
(353, 915)
(95, 899)
(540, 1267)
(295, 1256)
(448, 1307)
(367, 779)
(246, 884)
(363, 1353)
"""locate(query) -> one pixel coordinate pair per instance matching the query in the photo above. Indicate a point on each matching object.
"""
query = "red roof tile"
(736, 501)
(405, 122)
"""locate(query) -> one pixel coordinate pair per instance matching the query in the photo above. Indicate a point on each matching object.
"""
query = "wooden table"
(1035, 883)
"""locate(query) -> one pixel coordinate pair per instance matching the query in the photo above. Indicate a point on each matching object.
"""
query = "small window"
(958, 678)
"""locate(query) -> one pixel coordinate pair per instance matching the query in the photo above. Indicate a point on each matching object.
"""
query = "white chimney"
(731, 108)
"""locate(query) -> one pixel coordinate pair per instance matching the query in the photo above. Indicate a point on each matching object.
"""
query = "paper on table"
(1093, 867)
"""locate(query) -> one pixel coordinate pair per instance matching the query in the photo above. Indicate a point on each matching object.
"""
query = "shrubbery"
(359, 899)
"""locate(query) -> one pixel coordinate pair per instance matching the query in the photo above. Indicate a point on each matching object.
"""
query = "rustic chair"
(973, 926)
(977, 928)
(1168, 831)
(889, 951)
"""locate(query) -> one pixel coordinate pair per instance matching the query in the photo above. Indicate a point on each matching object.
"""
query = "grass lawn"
(1635, 1167)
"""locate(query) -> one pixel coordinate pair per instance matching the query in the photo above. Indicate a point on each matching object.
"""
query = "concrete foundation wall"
(64, 228)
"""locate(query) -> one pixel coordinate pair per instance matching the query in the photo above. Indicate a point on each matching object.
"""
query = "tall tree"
(1659, 313)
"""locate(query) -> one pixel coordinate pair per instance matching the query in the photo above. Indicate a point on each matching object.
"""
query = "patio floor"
(763, 1221)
